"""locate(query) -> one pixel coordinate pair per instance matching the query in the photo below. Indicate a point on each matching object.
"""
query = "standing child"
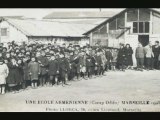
(3, 75)
(104, 62)
(63, 69)
(53, 70)
(114, 59)
(34, 71)
(20, 74)
(26, 73)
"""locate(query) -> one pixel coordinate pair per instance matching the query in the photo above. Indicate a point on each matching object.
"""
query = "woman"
(129, 53)
(122, 58)
(3, 75)
(13, 77)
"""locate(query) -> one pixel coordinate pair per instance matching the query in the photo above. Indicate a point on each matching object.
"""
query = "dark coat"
(129, 53)
(34, 69)
(20, 73)
(98, 60)
(89, 62)
(63, 67)
(25, 71)
(72, 63)
(44, 64)
(53, 67)
(140, 52)
(156, 51)
(122, 56)
(108, 55)
(14, 74)
(76, 63)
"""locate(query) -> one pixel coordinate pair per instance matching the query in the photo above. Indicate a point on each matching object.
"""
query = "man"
(156, 52)
(149, 56)
(98, 62)
(108, 55)
(140, 54)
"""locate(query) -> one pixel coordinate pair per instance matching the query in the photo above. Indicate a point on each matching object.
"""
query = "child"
(63, 69)
(83, 64)
(25, 71)
(98, 63)
(88, 65)
(114, 59)
(53, 70)
(20, 74)
(3, 75)
(13, 77)
(34, 71)
(104, 62)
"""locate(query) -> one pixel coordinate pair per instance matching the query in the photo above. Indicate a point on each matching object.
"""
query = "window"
(3, 31)
(146, 27)
(135, 27)
(140, 27)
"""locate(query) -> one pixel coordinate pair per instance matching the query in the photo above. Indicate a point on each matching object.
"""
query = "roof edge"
(112, 18)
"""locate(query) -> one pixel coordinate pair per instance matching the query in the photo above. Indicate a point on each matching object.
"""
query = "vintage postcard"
(80, 60)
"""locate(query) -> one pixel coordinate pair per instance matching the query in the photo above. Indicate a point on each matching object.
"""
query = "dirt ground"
(103, 94)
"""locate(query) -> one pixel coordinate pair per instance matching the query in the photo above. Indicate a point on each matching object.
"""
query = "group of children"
(38, 65)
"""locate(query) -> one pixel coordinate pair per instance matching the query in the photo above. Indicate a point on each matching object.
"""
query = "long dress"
(34, 69)
(4, 71)
(129, 53)
(13, 77)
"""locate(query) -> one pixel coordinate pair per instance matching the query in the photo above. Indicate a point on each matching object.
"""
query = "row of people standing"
(148, 57)
(49, 65)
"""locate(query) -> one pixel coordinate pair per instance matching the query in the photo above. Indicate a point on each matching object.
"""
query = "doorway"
(143, 39)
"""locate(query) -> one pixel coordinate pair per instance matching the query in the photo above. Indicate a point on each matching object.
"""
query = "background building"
(128, 26)
(131, 25)
(31, 30)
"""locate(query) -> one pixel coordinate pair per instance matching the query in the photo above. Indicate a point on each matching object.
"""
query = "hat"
(48, 55)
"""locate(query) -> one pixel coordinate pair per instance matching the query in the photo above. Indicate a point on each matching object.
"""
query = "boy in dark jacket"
(53, 70)
(43, 61)
(63, 69)
(98, 63)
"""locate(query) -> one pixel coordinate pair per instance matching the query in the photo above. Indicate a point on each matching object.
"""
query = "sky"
(38, 13)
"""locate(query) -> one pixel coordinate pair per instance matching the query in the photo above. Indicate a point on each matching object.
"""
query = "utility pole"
(100, 9)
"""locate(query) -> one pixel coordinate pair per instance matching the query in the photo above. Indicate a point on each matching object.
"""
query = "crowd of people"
(37, 65)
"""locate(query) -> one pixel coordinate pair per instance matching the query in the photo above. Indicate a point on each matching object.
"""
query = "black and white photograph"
(79, 59)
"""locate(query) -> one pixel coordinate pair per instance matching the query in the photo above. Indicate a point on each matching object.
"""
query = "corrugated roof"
(81, 14)
(94, 21)
(50, 28)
